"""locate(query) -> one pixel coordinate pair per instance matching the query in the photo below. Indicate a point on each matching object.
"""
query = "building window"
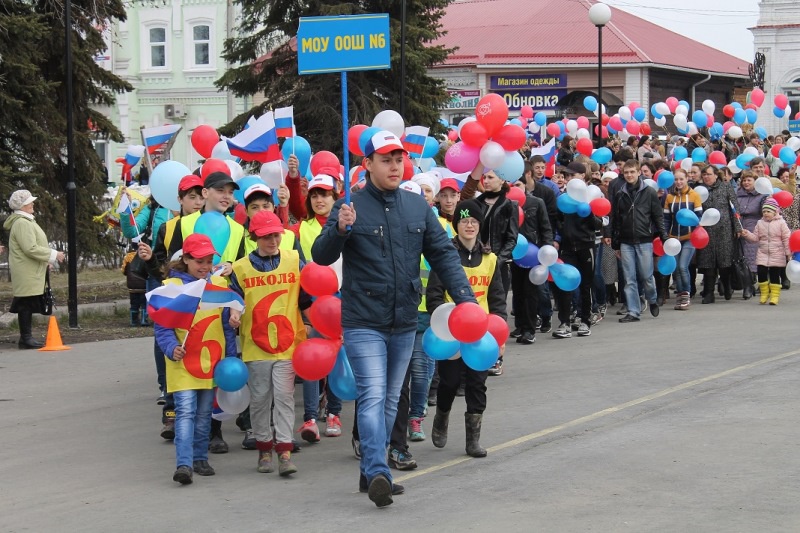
(158, 47)
(201, 42)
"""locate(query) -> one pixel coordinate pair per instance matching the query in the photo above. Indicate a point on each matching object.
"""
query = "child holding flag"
(270, 331)
(192, 340)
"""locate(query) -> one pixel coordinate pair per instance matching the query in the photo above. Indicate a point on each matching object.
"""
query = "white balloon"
(692, 127)
(594, 192)
(464, 121)
(708, 107)
(439, 319)
(686, 164)
(577, 190)
(236, 170)
(221, 151)
(672, 246)
(273, 173)
(336, 266)
(624, 135)
(572, 127)
(663, 109)
(680, 121)
(651, 183)
(660, 121)
(793, 143)
(625, 112)
(492, 155)
(682, 110)
(538, 274)
(710, 217)
(702, 192)
(763, 186)
(583, 133)
(735, 132)
(234, 402)
(751, 150)
(547, 255)
(391, 121)
(534, 127)
(793, 271)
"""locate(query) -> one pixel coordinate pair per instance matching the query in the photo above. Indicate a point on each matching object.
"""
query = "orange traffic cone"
(53, 342)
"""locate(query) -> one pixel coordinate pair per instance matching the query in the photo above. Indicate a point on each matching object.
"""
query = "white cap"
(321, 181)
(610, 175)
(258, 187)
(20, 198)
(410, 186)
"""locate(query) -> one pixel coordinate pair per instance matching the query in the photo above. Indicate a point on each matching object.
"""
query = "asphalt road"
(687, 422)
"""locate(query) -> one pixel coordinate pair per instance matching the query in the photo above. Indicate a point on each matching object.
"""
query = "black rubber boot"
(473, 425)
(439, 431)
(134, 319)
(145, 323)
(26, 341)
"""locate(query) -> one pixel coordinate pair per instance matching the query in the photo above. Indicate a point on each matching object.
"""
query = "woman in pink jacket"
(772, 235)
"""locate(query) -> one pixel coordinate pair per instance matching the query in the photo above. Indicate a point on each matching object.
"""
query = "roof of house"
(547, 32)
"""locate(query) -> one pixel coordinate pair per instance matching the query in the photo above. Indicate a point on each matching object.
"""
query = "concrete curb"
(102, 308)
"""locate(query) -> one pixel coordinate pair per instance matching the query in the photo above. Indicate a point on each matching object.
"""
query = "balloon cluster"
(545, 265)
(230, 378)
(466, 331)
(793, 266)
(583, 200)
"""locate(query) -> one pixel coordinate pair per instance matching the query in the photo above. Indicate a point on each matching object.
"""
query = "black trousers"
(524, 298)
(449, 379)
(773, 274)
(583, 260)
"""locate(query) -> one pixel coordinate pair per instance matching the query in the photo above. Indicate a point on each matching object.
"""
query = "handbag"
(46, 300)
(741, 278)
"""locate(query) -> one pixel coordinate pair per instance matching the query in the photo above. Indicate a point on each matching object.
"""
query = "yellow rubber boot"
(774, 293)
(763, 287)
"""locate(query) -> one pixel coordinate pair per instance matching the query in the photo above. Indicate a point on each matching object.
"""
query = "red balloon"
(408, 168)
(526, 111)
(553, 130)
(583, 122)
(313, 359)
(204, 138)
(498, 328)
(615, 123)
(584, 146)
(633, 106)
(604, 133)
(757, 96)
(776, 149)
(644, 129)
(797, 116)
(240, 213)
(318, 280)
(352, 139)
(699, 237)
(452, 135)
(632, 127)
(516, 194)
(521, 216)
(492, 112)
(658, 247)
(672, 103)
(717, 158)
(784, 198)
(474, 134)
(794, 241)
(511, 137)
(214, 165)
(751, 106)
(604, 119)
(323, 159)
(781, 101)
(600, 207)
(325, 315)
(468, 322)
(728, 111)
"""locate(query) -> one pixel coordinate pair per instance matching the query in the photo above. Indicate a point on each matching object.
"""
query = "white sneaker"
(583, 330)
(563, 331)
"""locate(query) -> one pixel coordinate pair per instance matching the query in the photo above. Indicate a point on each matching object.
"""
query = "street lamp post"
(600, 14)
(72, 233)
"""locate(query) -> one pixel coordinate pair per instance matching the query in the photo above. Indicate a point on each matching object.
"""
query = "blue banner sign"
(794, 127)
(343, 43)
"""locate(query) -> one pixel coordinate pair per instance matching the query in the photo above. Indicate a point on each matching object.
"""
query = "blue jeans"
(192, 425)
(379, 361)
(638, 259)
(422, 368)
(683, 282)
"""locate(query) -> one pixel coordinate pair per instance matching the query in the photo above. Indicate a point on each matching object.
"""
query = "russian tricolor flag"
(125, 208)
(155, 138)
(414, 140)
(215, 297)
(259, 142)
(548, 151)
(174, 306)
(284, 122)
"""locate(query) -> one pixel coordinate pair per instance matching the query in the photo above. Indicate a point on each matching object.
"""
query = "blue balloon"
(512, 168)
(611, 130)
(736, 105)
(601, 156)
(666, 179)
(164, 183)
(700, 119)
(778, 112)
(590, 103)
(516, 122)
(685, 104)
(687, 217)
(481, 355)
(244, 184)
(699, 155)
(667, 264)
(215, 226)
(716, 131)
(562, 126)
(520, 248)
(531, 257)
(437, 348)
(341, 379)
(366, 135)
(639, 114)
(683, 131)
(654, 112)
(762, 133)
(431, 147)
(566, 204)
(796, 256)
(444, 123)
(566, 277)
(230, 374)
(739, 117)
(787, 155)
(584, 210)
(743, 161)
(540, 118)
(680, 153)
(300, 148)
(752, 115)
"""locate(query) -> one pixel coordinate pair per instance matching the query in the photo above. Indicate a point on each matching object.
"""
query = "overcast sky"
(722, 24)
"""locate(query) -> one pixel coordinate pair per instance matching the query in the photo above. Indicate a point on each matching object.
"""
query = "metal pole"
(345, 151)
(72, 233)
(600, 84)
(402, 60)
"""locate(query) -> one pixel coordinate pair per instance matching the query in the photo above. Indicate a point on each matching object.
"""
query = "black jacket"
(540, 190)
(536, 223)
(577, 232)
(636, 216)
(496, 297)
(500, 226)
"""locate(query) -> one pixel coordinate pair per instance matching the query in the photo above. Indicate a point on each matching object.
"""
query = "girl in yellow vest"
(481, 267)
(191, 357)
(272, 326)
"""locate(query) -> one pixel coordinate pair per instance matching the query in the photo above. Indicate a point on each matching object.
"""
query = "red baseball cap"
(187, 182)
(448, 183)
(265, 223)
(198, 245)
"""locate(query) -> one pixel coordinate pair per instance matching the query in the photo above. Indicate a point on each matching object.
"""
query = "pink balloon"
(616, 123)
(633, 105)
(462, 157)
(727, 125)
(672, 103)
(757, 96)
(710, 119)
(781, 101)
(583, 122)
(632, 127)
(526, 111)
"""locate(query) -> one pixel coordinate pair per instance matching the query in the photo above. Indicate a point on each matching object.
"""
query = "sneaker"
(563, 331)
(202, 468)
(654, 310)
(526, 338)
(401, 460)
(249, 442)
(546, 326)
(415, 431)
(623, 310)
(285, 464)
(574, 321)
(497, 369)
(309, 431)
(601, 310)
(432, 398)
(356, 447)
(538, 321)
(397, 489)
(516, 333)
(460, 390)
(265, 462)
(594, 318)
(162, 398)
(333, 427)
(183, 475)
(217, 444)
(380, 491)
(629, 318)
(644, 304)
(168, 430)
(583, 330)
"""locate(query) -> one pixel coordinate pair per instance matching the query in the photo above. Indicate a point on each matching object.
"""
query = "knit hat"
(427, 178)
(770, 204)
(20, 198)
(467, 209)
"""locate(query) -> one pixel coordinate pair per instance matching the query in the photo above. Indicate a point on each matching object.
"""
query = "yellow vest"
(309, 230)
(287, 242)
(271, 325)
(229, 255)
(205, 347)
(480, 277)
(425, 268)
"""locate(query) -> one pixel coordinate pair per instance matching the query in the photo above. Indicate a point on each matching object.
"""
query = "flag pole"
(146, 151)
